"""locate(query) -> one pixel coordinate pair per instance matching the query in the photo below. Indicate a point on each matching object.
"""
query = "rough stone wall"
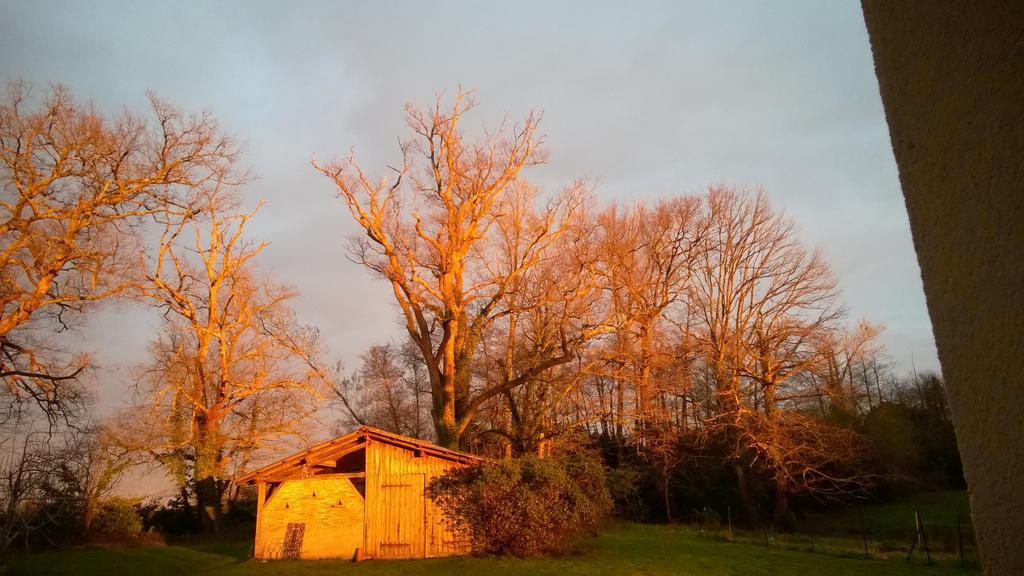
(951, 75)
(331, 509)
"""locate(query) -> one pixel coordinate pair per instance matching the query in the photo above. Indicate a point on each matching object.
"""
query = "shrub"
(709, 518)
(525, 507)
(241, 514)
(624, 488)
(118, 518)
(172, 518)
(788, 523)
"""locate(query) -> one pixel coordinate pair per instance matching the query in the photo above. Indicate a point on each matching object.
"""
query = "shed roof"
(326, 453)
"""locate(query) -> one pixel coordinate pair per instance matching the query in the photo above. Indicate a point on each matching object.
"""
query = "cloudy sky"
(649, 99)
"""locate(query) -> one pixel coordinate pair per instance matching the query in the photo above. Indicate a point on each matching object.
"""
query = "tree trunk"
(447, 430)
(666, 494)
(208, 503)
(643, 392)
(88, 513)
(781, 504)
(620, 408)
(746, 498)
(442, 410)
(209, 490)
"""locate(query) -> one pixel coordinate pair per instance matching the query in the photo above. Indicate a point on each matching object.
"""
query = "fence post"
(917, 535)
(810, 521)
(959, 539)
(924, 537)
(864, 535)
(728, 511)
(920, 535)
(766, 536)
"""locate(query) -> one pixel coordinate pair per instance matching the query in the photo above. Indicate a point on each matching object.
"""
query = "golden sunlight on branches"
(76, 187)
(427, 228)
(232, 372)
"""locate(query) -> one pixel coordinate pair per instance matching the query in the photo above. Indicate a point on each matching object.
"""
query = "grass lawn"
(621, 550)
(895, 520)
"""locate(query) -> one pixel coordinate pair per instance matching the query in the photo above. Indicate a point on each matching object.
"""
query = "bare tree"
(86, 470)
(646, 255)
(844, 358)
(425, 233)
(232, 373)
(22, 472)
(647, 260)
(49, 481)
(385, 392)
(759, 299)
(534, 355)
(417, 382)
(75, 188)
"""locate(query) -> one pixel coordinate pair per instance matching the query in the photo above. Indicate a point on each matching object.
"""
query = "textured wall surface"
(951, 75)
(330, 508)
(401, 522)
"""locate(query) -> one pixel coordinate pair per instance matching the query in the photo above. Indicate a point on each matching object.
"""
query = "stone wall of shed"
(331, 509)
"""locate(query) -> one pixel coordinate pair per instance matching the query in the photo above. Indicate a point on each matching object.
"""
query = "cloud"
(652, 99)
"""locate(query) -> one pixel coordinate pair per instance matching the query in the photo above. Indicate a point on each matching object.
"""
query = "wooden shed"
(364, 490)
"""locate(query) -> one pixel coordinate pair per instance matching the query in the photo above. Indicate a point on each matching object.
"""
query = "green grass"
(625, 549)
(895, 520)
(886, 530)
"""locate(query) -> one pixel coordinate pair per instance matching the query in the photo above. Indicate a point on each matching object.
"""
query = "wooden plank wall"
(401, 522)
(331, 508)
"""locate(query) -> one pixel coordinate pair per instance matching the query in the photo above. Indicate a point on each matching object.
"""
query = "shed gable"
(365, 490)
(330, 511)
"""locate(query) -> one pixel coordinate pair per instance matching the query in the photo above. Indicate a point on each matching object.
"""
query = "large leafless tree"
(427, 229)
(231, 373)
(75, 186)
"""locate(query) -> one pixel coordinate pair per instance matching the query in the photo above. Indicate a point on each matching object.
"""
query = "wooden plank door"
(402, 530)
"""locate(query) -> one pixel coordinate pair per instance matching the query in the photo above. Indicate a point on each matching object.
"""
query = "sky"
(647, 99)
